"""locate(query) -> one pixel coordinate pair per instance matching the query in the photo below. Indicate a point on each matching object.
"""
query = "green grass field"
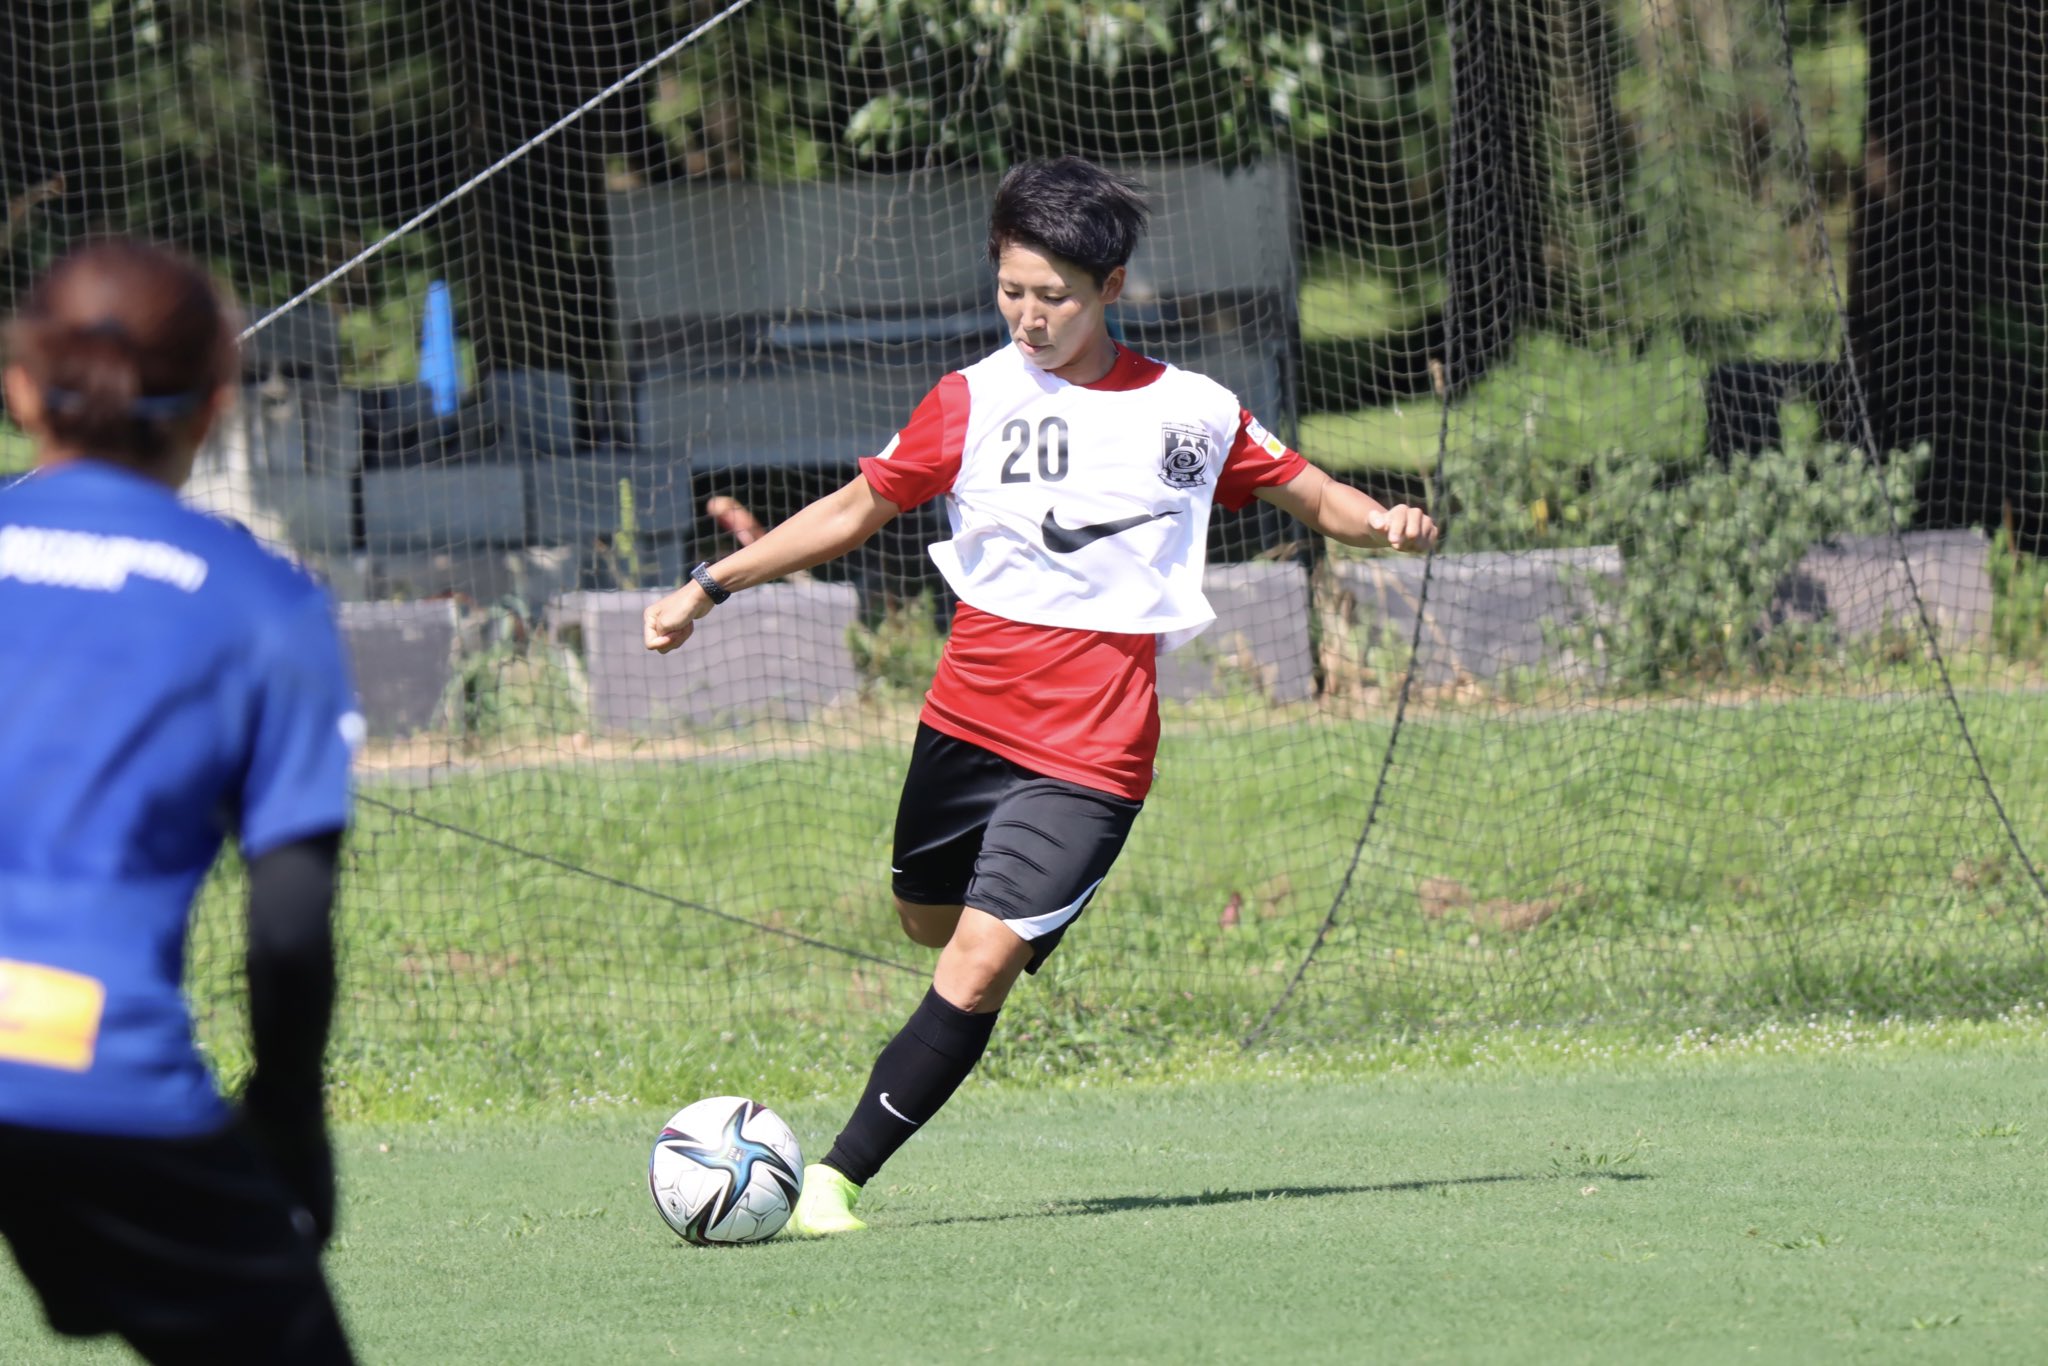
(1465, 1143)
(637, 923)
(1833, 1191)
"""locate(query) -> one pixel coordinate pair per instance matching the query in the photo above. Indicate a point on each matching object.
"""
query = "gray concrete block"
(302, 343)
(1488, 612)
(534, 410)
(288, 427)
(777, 652)
(788, 414)
(1215, 229)
(850, 245)
(1258, 643)
(404, 658)
(347, 575)
(444, 506)
(300, 514)
(863, 243)
(1861, 583)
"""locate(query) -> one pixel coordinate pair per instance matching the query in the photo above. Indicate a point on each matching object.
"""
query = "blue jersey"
(164, 682)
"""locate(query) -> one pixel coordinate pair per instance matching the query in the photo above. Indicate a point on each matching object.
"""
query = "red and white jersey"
(1080, 524)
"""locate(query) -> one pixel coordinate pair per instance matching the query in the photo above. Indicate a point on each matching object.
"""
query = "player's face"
(1054, 310)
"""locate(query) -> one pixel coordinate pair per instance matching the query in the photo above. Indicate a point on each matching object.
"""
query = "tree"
(537, 234)
(1948, 311)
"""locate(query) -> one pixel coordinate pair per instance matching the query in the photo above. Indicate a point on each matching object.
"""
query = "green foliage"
(1190, 78)
(17, 452)
(753, 97)
(1717, 192)
(2019, 601)
(1567, 446)
(1706, 556)
(517, 687)
(896, 653)
(626, 541)
(1528, 444)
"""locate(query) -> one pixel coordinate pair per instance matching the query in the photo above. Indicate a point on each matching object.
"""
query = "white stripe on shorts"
(1036, 926)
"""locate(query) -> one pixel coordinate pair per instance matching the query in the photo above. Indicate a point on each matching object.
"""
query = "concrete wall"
(1486, 613)
(280, 463)
(781, 652)
(1259, 643)
(850, 299)
(894, 243)
(1862, 584)
(404, 655)
(1491, 613)
(778, 652)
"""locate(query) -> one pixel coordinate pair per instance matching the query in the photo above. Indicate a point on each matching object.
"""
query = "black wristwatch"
(713, 589)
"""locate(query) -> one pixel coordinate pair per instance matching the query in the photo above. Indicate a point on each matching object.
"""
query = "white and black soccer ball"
(725, 1170)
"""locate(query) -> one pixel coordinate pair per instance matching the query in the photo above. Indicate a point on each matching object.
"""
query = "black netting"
(1713, 332)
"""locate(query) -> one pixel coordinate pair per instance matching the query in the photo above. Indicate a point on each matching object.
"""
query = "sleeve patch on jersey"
(49, 1017)
(1267, 442)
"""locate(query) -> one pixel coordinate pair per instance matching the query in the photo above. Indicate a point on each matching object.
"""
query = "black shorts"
(975, 829)
(185, 1247)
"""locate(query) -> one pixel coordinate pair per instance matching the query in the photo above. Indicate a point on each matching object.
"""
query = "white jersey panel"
(1087, 508)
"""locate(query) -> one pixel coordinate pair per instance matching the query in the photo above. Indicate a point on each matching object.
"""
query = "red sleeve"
(1258, 459)
(924, 458)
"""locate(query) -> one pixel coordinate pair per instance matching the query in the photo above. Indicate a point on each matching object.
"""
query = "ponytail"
(124, 341)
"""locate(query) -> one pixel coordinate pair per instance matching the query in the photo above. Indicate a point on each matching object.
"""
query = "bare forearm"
(1351, 516)
(822, 531)
(1345, 514)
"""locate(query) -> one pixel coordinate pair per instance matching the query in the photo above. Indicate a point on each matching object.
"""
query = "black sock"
(916, 1074)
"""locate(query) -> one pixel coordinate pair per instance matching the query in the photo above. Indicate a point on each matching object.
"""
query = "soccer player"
(1078, 477)
(164, 681)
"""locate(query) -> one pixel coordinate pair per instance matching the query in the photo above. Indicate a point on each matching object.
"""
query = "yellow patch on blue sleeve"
(49, 1017)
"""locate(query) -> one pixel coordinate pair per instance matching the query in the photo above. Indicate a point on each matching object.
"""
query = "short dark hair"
(1069, 208)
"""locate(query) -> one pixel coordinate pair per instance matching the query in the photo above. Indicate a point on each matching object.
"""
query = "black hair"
(1069, 208)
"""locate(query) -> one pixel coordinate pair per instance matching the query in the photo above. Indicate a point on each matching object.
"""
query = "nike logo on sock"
(1062, 540)
(896, 1112)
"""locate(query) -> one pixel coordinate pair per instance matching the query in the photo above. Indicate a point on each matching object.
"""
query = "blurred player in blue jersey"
(165, 683)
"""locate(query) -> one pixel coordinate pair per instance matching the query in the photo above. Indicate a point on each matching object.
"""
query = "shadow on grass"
(1121, 1204)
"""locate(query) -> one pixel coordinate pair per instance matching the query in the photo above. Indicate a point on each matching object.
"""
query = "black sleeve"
(291, 967)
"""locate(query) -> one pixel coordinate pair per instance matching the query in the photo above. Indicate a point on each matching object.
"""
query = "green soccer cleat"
(826, 1205)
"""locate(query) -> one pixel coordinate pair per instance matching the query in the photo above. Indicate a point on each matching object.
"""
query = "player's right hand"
(670, 622)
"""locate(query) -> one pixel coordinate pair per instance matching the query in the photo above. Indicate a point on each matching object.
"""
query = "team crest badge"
(1185, 449)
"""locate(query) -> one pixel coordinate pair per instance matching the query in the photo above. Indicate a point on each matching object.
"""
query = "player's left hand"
(669, 622)
(1406, 528)
(290, 1127)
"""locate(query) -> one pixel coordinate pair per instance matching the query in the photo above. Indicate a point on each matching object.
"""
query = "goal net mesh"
(1712, 333)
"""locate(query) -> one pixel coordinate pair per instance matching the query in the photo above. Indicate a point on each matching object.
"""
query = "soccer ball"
(725, 1170)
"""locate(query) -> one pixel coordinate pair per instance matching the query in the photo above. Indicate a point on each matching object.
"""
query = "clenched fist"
(1406, 528)
(669, 622)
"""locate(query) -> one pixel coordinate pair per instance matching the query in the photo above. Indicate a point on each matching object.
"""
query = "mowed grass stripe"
(1880, 1205)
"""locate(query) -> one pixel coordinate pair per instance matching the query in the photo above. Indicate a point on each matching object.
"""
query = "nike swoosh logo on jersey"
(896, 1112)
(1062, 540)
